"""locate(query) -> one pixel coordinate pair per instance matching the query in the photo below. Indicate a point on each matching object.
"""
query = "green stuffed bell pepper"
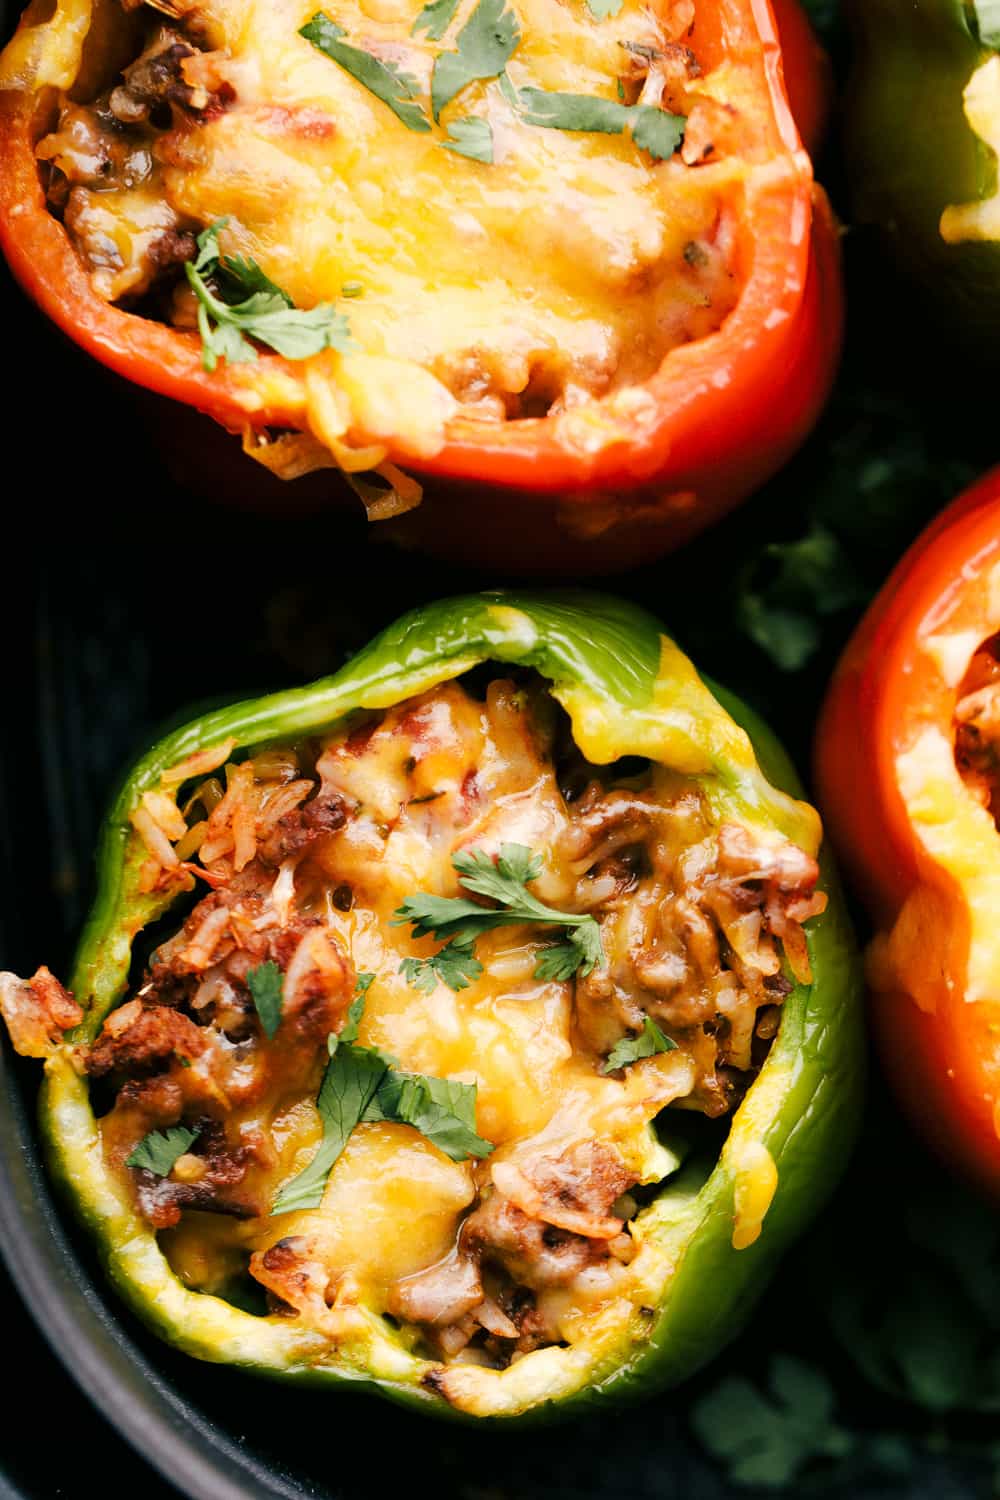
(922, 123)
(474, 1025)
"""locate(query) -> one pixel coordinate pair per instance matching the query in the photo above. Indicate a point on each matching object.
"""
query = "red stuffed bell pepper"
(573, 275)
(908, 767)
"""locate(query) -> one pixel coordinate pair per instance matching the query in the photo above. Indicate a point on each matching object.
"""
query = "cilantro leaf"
(514, 865)
(484, 46)
(349, 1031)
(448, 917)
(352, 1077)
(472, 137)
(604, 10)
(158, 1151)
(653, 130)
(364, 1084)
(442, 1109)
(770, 1438)
(582, 950)
(266, 314)
(454, 965)
(559, 961)
(435, 19)
(383, 79)
(459, 922)
(586, 112)
(207, 245)
(266, 987)
(649, 1041)
(242, 277)
(657, 131)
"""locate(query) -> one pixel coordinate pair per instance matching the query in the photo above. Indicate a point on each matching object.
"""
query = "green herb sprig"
(265, 984)
(646, 1043)
(460, 922)
(364, 1084)
(470, 136)
(159, 1150)
(652, 129)
(383, 79)
(483, 48)
(251, 306)
(435, 19)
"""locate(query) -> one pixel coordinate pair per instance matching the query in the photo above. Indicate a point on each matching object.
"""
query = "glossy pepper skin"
(913, 156)
(720, 416)
(922, 851)
(628, 690)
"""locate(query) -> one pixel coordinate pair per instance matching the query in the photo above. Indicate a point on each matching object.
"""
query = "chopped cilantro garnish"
(472, 137)
(656, 131)
(352, 1076)
(349, 1031)
(159, 1150)
(383, 79)
(484, 46)
(454, 965)
(653, 130)
(647, 1043)
(435, 19)
(363, 1084)
(264, 312)
(265, 985)
(459, 922)
(442, 1109)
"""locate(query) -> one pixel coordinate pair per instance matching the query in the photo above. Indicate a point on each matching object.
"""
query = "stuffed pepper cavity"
(558, 249)
(908, 765)
(476, 1023)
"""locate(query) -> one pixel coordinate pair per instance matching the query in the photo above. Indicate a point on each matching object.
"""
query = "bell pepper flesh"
(628, 690)
(922, 848)
(724, 411)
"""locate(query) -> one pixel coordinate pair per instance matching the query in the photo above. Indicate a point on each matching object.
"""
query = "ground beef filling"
(977, 726)
(701, 927)
(100, 163)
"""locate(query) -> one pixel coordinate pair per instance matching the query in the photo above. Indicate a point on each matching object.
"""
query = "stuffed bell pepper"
(475, 1024)
(519, 269)
(923, 131)
(908, 767)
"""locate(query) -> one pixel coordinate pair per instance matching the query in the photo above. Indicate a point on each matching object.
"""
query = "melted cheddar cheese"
(562, 271)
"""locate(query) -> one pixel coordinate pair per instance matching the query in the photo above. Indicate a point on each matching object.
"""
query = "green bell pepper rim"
(628, 690)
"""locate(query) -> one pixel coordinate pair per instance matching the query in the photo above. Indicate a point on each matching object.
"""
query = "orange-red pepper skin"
(728, 410)
(807, 73)
(940, 1052)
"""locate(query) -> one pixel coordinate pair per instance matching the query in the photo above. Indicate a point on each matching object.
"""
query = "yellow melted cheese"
(394, 1203)
(563, 271)
(566, 253)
